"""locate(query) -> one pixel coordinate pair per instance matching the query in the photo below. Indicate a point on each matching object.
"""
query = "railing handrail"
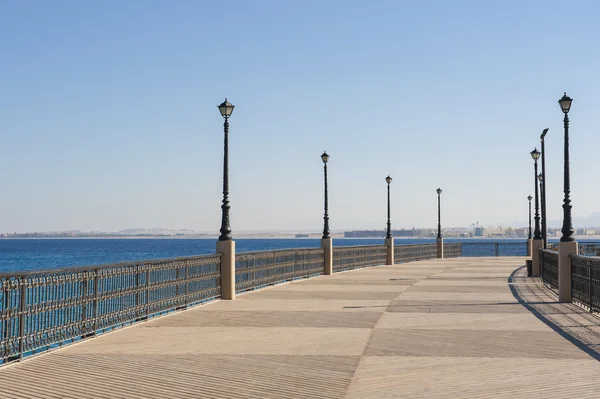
(550, 251)
(358, 246)
(584, 257)
(74, 269)
(491, 242)
(266, 251)
(424, 243)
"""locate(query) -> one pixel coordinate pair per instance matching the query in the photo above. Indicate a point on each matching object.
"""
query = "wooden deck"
(452, 328)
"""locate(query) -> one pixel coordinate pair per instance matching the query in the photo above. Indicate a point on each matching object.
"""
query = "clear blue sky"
(108, 115)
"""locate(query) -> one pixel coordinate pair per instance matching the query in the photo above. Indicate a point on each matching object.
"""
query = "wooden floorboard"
(448, 328)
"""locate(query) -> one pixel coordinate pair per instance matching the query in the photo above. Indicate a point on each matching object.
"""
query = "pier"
(425, 328)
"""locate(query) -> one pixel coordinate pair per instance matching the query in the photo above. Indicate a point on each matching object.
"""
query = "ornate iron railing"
(494, 248)
(257, 269)
(43, 310)
(585, 281)
(588, 248)
(549, 268)
(412, 253)
(353, 257)
(452, 250)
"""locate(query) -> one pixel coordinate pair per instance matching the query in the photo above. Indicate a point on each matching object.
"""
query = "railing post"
(187, 277)
(390, 251)
(535, 257)
(137, 287)
(497, 249)
(147, 291)
(5, 306)
(565, 248)
(529, 244)
(542, 264)
(590, 285)
(22, 309)
(177, 282)
(440, 247)
(227, 250)
(327, 245)
(84, 298)
(95, 300)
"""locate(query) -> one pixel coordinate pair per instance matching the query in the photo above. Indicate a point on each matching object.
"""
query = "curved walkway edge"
(443, 328)
(574, 323)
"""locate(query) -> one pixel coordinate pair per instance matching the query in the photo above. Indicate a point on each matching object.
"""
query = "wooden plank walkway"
(452, 328)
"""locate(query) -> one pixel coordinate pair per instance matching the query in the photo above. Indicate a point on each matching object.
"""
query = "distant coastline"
(338, 236)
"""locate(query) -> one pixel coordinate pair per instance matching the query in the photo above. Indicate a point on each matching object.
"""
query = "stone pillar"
(227, 249)
(535, 257)
(564, 269)
(529, 243)
(327, 245)
(390, 251)
(440, 247)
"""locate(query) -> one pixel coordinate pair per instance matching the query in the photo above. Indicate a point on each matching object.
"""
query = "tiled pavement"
(452, 328)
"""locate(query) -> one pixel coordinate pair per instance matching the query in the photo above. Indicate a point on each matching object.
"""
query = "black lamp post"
(537, 235)
(543, 190)
(226, 108)
(529, 197)
(543, 220)
(567, 227)
(439, 192)
(325, 158)
(389, 223)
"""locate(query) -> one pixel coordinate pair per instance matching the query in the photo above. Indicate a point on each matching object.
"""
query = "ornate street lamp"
(226, 108)
(537, 235)
(325, 158)
(529, 197)
(543, 190)
(389, 223)
(439, 235)
(567, 227)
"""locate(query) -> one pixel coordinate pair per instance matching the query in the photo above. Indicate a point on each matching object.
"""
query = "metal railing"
(412, 253)
(583, 248)
(588, 248)
(257, 269)
(494, 249)
(43, 310)
(585, 281)
(549, 268)
(353, 257)
(452, 250)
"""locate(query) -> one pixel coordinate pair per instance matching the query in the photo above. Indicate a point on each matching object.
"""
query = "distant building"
(380, 233)
(478, 232)
(364, 233)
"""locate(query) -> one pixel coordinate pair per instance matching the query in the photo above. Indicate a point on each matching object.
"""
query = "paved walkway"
(452, 328)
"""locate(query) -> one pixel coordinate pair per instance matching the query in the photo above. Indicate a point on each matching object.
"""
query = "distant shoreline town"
(474, 232)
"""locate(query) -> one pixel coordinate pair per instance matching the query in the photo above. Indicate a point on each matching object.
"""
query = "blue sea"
(37, 254)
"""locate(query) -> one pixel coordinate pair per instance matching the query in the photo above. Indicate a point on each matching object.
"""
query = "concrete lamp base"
(535, 257)
(227, 249)
(390, 251)
(327, 245)
(564, 269)
(440, 247)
